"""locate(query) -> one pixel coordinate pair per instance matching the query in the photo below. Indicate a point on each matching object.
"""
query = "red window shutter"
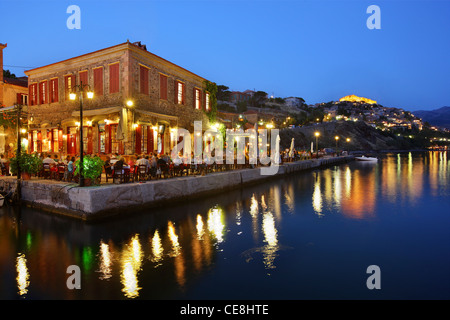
(19, 98)
(83, 77)
(183, 99)
(39, 142)
(98, 81)
(53, 90)
(204, 99)
(163, 87)
(138, 135)
(107, 138)
(89, 140)
(121, 150)
(30, 94)
(50, 138)
(84, 81)
(175, 90)
(56, 90)
(114, 78)
(143, 80)
(41, 93)
(60, 139)
(194, 97)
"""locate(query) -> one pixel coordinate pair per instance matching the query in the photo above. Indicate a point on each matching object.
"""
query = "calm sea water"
(311, 235)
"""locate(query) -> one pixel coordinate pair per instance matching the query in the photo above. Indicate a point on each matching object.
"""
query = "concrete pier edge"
(99, 202)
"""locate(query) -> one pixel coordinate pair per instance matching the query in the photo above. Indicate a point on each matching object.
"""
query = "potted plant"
(29, 164)
(92, 169)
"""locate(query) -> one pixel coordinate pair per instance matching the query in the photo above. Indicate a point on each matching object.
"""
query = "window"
(197, 99)
(43, 92)
(98, 81)
(87, 139)
(53, 90)
(163, 87)
(102, 138)
(114, 78)
(35, 141)
(207, 102)
(56, 139)
(46, 140)
(33, 94)
(69, 83)
(143, 77)
(179, 92)
(22, 98)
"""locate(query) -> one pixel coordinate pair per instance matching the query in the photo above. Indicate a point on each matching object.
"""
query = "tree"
(241, 106)
(259, 98)
(211, 88)
(8, 74)
(223, 94)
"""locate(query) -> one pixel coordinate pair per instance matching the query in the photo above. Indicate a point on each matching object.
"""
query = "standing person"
(3, 164)
(70, 169)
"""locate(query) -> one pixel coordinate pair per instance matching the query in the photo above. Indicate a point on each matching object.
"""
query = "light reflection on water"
(233, 241)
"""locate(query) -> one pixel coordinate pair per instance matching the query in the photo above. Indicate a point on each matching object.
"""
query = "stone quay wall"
(96, 202)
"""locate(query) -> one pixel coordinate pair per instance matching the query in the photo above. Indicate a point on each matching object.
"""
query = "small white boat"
(364, 158)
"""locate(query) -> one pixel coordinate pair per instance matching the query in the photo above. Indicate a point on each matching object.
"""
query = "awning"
(122, 132)
(157, 115)
(97, 112)
(7, 108)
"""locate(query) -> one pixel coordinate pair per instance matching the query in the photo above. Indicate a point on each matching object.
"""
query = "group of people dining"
(148, 165)
(58, 166)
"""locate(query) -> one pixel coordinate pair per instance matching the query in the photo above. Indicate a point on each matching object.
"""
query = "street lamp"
(317, 134)
(337, 139)
(82, 88)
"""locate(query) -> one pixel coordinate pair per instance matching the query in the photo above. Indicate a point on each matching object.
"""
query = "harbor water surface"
(310, 235)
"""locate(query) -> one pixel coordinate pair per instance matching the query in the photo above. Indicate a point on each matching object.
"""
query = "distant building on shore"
(238, 96)
(353, 98)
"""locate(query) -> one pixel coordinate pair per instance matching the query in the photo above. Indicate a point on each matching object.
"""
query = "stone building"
(140, 99)
(12, 91)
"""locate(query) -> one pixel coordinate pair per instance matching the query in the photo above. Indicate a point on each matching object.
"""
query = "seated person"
(108, 166)
(118, 165)
(48, 160)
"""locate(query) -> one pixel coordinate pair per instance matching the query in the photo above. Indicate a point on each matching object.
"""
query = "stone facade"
(53, 126)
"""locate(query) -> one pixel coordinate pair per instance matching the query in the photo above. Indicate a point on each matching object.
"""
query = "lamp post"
(337, 139)
(317, 134)
(81, 90)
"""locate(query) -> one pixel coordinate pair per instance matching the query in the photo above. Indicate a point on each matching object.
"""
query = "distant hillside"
(439, 117)
(361, 135)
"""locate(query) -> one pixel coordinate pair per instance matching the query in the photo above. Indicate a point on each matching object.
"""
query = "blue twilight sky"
(320, 50)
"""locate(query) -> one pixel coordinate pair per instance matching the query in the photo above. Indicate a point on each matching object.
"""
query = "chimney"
(2, 46)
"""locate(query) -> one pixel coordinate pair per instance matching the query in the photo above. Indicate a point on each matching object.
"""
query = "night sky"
(318, 50)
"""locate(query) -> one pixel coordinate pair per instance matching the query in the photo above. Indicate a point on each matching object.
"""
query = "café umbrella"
(291, 150)
(121, 133)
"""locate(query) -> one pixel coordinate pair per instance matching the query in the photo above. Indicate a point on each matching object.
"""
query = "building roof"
(136, 45)
(22, 81)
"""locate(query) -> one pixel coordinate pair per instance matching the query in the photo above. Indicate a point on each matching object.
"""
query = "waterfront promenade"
(95, 202)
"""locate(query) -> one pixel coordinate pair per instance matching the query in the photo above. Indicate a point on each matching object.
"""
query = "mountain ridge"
(438, 117)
